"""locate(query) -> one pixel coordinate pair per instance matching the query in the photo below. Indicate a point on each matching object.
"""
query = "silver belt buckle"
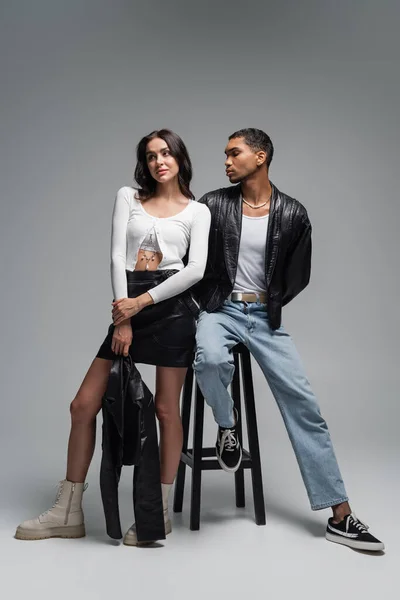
(236, 296)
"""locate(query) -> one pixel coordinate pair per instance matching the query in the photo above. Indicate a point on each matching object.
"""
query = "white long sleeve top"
(187, 229)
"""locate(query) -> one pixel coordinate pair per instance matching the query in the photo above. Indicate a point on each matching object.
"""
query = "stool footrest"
(211, 463)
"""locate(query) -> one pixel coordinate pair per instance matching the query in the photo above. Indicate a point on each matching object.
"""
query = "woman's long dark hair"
(147, 184)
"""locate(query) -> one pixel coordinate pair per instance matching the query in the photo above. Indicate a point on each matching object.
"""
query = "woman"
(152, 229)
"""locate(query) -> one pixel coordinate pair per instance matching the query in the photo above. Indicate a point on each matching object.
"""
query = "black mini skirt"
(163, 333)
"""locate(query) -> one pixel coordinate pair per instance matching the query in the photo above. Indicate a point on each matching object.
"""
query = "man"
(259, 260)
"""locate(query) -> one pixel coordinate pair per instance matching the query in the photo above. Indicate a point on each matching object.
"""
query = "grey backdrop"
(81, 82)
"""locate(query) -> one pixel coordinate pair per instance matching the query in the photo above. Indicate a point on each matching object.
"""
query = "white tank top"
(250, 274)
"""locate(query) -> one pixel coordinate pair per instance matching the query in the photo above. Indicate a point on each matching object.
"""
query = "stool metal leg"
(197, 458)
(239, 475)
(256, 475)
(186, 409)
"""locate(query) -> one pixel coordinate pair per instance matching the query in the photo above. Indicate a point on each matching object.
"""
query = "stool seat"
(204, 459)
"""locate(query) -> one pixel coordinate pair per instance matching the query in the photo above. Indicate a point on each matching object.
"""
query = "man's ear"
(261, 158)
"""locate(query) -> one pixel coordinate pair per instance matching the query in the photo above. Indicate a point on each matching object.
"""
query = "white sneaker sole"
(355, 543)
(130, 539)
(66, 531)
(229, 469)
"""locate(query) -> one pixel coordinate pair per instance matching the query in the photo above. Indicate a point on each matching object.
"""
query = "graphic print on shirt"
(149, 251)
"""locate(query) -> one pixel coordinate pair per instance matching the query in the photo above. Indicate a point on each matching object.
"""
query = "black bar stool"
(194, 458)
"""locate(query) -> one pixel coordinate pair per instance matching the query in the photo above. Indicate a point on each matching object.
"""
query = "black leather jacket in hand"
(288, 250)
(130, 438)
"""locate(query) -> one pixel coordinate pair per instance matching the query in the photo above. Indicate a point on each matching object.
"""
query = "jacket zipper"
(195, 301)
(69, 503)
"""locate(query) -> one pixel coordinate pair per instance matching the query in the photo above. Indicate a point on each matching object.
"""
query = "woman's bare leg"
(65, 518)
(169, 382)
(84, 409)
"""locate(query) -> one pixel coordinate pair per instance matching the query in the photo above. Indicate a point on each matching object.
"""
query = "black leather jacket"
(130, 438)
(288, 252)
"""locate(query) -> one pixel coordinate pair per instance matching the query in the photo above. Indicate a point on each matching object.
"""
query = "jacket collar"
(232, 229)
(273, 234)
(124, 381)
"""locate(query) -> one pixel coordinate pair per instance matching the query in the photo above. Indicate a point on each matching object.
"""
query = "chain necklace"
(258, 205)
(147, 258)
(144, 255)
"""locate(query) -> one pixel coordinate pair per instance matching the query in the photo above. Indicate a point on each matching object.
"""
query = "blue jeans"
(276, 354)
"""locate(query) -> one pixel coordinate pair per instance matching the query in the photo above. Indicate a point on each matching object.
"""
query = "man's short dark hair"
(257, 140)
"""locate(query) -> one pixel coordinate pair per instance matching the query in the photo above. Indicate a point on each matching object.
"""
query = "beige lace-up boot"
(130, 538)
(64, 519)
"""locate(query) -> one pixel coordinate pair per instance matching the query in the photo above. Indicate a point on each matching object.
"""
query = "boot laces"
(60, 486)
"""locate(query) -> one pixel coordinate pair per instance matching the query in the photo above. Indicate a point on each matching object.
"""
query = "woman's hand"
(125, 308)
(122, 339)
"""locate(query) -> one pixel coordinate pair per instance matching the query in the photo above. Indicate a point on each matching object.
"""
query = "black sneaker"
(228, 449)
(353, 533)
